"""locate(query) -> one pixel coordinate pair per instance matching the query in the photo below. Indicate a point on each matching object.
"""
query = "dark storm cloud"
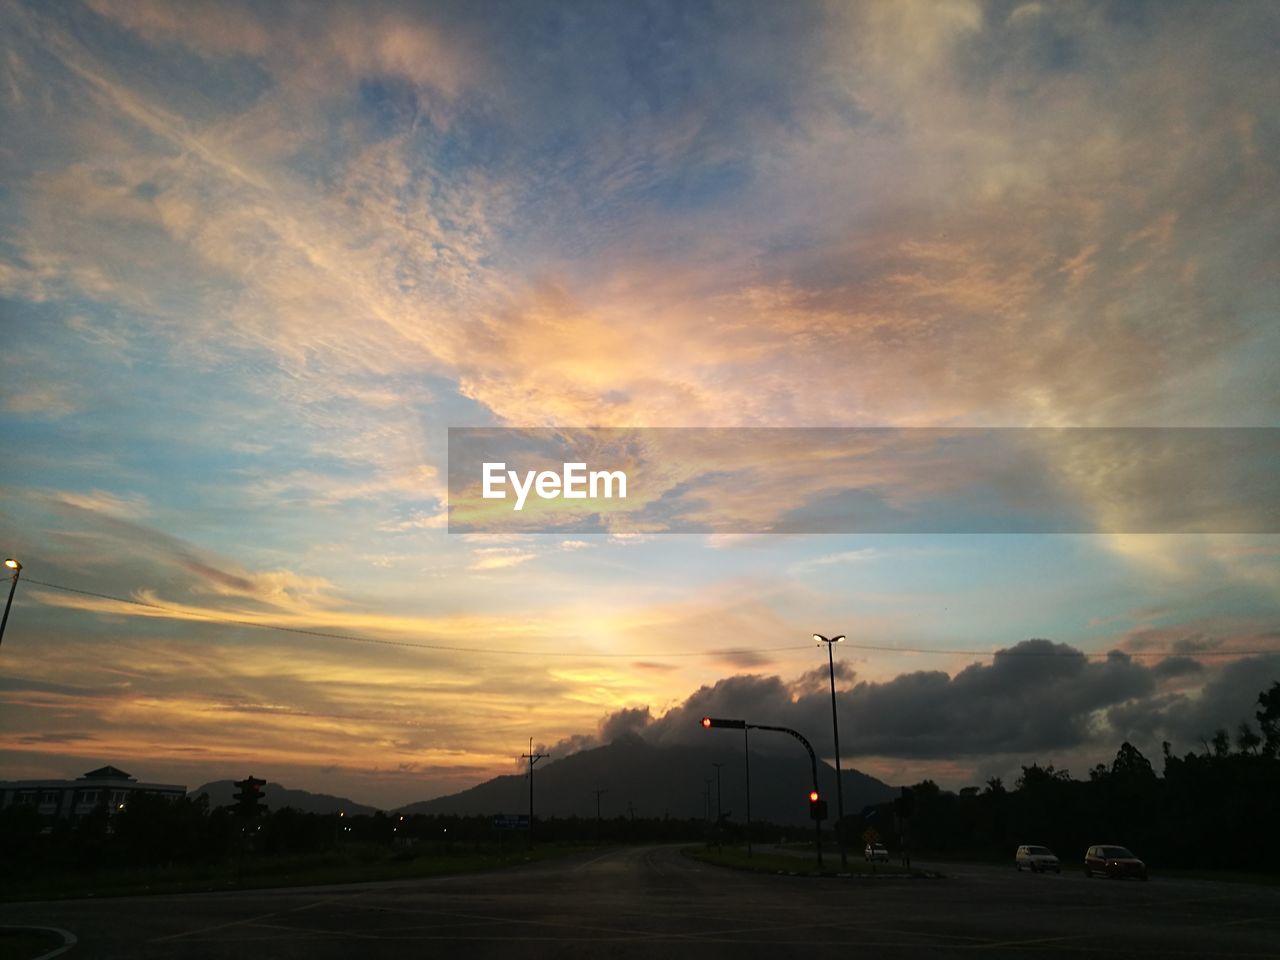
(1177, 667)
(623, 722)
(1229, 696)
(1035, 698)
(819, 679)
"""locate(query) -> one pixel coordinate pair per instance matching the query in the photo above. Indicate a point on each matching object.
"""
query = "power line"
(177, 613)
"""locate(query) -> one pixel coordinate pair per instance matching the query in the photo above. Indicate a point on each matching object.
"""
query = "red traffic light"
(722, 722)
(817, 808)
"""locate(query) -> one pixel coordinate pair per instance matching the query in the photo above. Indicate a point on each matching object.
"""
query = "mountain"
(660, 781)
(222, 793)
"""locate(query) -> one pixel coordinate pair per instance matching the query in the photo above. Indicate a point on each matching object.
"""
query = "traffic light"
(249, 800)
(817, 806)
(708, 722)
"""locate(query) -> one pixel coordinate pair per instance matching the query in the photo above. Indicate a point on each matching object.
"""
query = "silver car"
(1036, 859)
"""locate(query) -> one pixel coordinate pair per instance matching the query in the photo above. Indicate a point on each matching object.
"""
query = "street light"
(16, 567)
(835, 728)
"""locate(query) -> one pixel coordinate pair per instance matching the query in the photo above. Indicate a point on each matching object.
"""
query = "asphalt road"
(653, 902)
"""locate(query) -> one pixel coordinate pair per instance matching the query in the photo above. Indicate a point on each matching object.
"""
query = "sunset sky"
(256, 259)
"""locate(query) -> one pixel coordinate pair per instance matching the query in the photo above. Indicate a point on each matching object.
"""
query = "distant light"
(813, 796)
(818, 638)
(837, 639)
(12, 564)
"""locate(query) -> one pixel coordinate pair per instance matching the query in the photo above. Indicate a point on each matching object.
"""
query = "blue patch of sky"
(210, 88)
(976, 589)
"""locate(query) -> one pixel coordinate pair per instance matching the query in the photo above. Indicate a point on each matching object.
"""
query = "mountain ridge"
(277, 796)
(641, 779)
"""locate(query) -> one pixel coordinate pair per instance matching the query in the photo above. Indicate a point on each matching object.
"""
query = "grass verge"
(764, 862)
(345, 866)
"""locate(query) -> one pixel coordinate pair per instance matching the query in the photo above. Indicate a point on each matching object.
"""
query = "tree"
(1268, 717)
(1130, 764)
(1222, 743)
(1246, 740)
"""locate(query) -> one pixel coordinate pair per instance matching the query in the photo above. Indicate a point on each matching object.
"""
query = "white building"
(71, 799)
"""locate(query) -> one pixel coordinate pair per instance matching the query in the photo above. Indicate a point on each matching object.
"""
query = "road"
(653, 902)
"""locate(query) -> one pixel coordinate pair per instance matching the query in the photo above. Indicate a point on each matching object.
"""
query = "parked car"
(1113, 861)
(1036, 859)
(876, 853)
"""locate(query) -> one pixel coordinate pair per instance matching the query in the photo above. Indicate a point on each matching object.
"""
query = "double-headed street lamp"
(16, 567)
(835, 727)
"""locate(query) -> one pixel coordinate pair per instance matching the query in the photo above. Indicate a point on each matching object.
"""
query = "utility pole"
(532, 758)
(706, 798)
(597, 791)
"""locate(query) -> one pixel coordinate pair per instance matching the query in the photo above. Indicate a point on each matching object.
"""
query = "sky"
(257, 259)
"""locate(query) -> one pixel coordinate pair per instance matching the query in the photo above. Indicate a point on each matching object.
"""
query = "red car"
(1111, 861)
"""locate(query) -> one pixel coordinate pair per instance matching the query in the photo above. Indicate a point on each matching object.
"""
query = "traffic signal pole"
(816, 805)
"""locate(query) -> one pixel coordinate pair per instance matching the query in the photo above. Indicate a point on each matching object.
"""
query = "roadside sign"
(511, 823)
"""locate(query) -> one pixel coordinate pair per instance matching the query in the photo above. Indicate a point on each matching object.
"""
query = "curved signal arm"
(709, 722)
(816, 804)
(813, 757)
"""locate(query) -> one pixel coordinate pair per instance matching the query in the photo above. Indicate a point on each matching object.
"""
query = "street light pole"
(746, 750)
(16, 567)
(835, 729)
(719, 815)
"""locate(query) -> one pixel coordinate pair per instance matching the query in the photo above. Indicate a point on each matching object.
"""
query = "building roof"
(107, 773)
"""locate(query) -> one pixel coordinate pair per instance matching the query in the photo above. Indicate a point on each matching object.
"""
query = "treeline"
(1215, 808)
(156, 831)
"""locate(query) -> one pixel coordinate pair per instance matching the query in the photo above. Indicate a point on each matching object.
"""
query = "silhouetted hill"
(222, 793)
(658, 781)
